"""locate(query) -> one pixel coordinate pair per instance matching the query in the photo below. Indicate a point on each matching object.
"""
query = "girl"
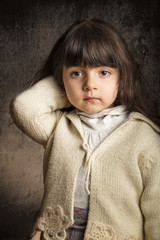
(101, 139)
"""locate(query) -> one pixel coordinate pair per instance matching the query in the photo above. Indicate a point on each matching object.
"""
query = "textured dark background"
(28, 32)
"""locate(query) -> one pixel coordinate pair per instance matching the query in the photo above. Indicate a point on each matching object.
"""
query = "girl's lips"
(90, 99)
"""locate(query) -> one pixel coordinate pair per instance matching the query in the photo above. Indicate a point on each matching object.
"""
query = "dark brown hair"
(96, 43)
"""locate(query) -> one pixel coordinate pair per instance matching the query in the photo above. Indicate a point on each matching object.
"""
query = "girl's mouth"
(90, 99)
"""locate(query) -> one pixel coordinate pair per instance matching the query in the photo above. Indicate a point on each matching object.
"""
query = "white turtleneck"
(96, 127)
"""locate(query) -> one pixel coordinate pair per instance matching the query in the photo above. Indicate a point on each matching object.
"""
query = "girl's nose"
(90, 84)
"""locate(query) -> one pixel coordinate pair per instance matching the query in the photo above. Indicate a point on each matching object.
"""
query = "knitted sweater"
(96, 127)
(124, 169)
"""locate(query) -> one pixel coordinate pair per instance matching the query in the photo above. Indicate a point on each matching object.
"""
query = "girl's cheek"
(116, 91)
(115, 94)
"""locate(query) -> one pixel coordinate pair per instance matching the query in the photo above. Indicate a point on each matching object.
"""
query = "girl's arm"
(150, 200)
(33, 111)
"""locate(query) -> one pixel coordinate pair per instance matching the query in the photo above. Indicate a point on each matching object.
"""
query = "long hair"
(96, 43)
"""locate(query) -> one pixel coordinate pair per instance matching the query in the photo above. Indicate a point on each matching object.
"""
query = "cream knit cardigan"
(124, 169)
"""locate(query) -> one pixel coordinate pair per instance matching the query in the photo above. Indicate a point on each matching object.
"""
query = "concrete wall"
(28, 32)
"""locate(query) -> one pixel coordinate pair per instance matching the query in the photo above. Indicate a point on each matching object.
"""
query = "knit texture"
(125, 169)
(96, 127)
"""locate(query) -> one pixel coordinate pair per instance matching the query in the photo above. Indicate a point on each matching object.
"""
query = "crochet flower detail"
(53, 223)
(101, 231)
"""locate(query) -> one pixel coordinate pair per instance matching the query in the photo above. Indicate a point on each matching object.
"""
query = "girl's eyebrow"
(83, 67)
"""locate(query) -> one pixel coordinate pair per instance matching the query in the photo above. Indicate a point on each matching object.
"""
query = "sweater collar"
(136, 116)
(140, 117)
(73, 117)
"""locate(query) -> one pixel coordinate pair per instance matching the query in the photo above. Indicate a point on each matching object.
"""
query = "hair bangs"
(89, 49)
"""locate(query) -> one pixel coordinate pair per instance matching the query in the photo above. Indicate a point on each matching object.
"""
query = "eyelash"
(105, 72)
(75, 73)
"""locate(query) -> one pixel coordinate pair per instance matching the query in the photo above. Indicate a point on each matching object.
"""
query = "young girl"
(102, 150)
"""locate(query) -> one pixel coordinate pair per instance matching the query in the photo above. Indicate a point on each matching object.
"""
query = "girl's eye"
(104, 73)
(77, 74)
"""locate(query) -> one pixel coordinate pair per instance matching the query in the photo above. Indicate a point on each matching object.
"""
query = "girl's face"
(91, 89)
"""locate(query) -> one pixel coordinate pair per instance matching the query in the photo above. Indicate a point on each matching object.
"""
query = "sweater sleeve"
(150, 200)
(34, 110)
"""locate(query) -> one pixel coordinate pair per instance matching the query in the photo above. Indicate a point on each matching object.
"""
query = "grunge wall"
(28, 31)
